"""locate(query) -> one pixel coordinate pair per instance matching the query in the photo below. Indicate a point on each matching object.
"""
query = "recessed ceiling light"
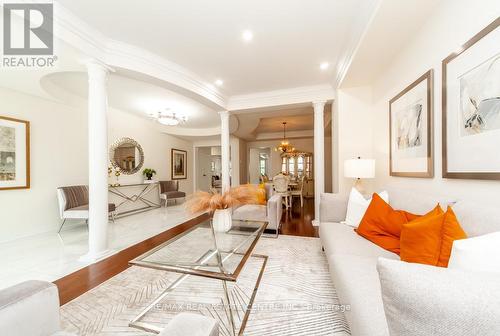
(247, 35)
(324, 65)
(219, 82)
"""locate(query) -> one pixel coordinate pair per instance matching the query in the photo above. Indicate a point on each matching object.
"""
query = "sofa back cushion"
(417, 202)
(477, 219)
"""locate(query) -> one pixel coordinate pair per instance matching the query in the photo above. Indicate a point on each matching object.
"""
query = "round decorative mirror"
(127, 155)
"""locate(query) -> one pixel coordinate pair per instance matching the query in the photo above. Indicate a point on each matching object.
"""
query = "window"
(263, 166)
(297, 165)
(291, 166)
(300, 165)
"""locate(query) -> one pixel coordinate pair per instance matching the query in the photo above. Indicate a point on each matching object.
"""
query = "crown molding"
(362, 25)
(77, 33)
(289, 135)
(299, 95)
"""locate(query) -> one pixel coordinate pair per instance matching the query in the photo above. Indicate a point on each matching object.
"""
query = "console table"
(134, 198)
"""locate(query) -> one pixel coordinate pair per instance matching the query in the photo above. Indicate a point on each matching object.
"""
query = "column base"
(315, 222)
(95, 257)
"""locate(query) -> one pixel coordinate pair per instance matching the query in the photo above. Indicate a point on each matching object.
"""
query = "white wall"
(156, 145)
(355, 130)
(59, 157)
(452, 23)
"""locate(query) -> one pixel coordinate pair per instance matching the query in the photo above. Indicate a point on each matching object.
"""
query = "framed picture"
(411, 130)
(179, 164)
(471, 108)
(14, 154)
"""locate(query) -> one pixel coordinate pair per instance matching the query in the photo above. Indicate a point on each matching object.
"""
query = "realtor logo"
(35, 36)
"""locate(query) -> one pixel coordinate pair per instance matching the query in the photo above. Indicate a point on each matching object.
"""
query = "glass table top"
(203, 251)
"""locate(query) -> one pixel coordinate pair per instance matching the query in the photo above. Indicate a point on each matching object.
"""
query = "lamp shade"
(359, 168)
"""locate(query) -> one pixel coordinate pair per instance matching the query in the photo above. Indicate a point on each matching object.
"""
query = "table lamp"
(359, 169)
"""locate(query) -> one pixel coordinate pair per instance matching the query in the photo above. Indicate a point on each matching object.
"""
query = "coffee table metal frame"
(188, 269)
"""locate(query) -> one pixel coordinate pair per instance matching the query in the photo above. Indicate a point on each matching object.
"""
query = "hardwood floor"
(298, 221)
(81, 281)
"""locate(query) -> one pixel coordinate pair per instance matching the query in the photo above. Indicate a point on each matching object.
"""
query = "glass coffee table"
(203, 252)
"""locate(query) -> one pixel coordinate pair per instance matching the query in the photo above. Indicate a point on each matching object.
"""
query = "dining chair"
(281, 182)
(298, 192)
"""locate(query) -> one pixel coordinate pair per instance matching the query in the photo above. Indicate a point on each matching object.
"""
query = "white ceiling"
(392, 27)
(291, 38)
(137, 96)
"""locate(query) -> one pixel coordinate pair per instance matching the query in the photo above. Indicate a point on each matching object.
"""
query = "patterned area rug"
(295, 296)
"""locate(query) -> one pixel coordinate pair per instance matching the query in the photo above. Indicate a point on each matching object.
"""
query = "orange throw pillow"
(429, 239)
(381, 224)
(261, 194)
(421, 237)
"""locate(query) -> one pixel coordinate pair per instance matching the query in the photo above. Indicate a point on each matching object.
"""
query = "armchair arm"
(274, 212)
(333, 207)
(29, 308)
(191, 324)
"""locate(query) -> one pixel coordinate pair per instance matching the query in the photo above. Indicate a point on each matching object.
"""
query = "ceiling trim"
(299, 95)
(76, 32)
(289, 135)
(362, 25)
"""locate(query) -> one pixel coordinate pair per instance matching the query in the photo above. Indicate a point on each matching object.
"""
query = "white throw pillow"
(423, 300)
(357, 205)
(477, 254)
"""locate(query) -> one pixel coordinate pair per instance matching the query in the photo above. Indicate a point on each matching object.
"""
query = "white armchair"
(30, 308)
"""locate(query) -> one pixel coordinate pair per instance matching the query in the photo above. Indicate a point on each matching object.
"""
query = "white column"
(225, 150)
(98, 161)
(319, 156)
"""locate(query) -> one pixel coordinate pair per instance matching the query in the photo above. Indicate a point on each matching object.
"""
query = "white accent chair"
(298, 192)
(281, 183)
(74, 204)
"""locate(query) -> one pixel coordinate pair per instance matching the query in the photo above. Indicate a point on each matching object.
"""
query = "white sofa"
(353, 259)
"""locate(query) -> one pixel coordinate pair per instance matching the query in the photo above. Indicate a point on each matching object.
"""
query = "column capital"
(318, 104)
(95, 66)
(224, 114)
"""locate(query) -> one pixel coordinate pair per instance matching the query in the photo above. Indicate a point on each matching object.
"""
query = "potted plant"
(220, 205)
(148, 172)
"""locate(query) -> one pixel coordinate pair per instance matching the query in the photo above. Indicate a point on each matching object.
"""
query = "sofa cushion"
(477, 219)
(254, 212)
(477, 253)
(357, 206)
(341, 238)
(381, 224)
(417, 202)
(357, 284)
(421, 300)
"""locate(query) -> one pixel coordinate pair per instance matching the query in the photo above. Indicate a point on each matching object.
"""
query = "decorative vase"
(222, 220)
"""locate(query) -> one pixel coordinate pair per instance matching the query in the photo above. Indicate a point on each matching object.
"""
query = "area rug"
(295, 296)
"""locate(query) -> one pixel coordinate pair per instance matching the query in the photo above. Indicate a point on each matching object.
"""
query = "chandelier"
(170, 118)
(284, 146)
